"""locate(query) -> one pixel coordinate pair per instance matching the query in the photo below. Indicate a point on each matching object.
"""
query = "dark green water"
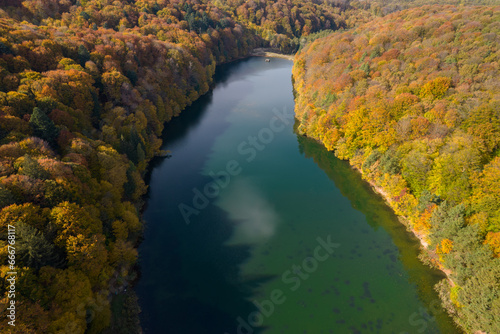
(288, 239)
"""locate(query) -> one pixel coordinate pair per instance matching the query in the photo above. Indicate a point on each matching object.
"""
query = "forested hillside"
(413, 100)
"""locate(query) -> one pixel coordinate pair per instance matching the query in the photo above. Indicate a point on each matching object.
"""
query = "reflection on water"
(247, 205)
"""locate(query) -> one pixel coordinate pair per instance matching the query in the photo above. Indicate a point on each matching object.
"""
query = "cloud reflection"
(256, 218)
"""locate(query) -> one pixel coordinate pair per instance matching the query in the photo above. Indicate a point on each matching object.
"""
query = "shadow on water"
(364, 199)
(190, 279)
(177, 128)
(224, 72)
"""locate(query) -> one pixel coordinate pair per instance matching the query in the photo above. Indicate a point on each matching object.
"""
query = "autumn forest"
(406, 91)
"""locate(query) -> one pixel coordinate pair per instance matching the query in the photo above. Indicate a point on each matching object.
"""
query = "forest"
(83, 104)
(414, 104)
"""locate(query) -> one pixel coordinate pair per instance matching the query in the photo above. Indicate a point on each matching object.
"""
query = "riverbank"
(404, 220)
(426, 252)
(388, 200)
(270, 52)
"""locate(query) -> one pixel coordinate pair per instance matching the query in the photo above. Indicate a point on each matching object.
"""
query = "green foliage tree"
(33, 250)
(43, 126)
(6, 197)
(32, 168)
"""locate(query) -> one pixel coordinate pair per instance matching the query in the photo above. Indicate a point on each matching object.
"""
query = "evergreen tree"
(83, 54)
(33, 250)
(43, 126)
(6, 197)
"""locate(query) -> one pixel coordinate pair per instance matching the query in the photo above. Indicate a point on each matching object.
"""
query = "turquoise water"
(253, 229)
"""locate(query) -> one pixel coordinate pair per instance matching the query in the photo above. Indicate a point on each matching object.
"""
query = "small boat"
(268, 60)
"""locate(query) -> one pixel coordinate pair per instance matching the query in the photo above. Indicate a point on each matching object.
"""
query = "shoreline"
(270, 52)
(387, 199)
(404, 220)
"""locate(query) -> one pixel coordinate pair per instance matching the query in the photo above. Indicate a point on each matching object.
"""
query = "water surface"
(253, 229)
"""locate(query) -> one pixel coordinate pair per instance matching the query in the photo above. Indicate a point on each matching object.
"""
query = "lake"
(251, 228)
